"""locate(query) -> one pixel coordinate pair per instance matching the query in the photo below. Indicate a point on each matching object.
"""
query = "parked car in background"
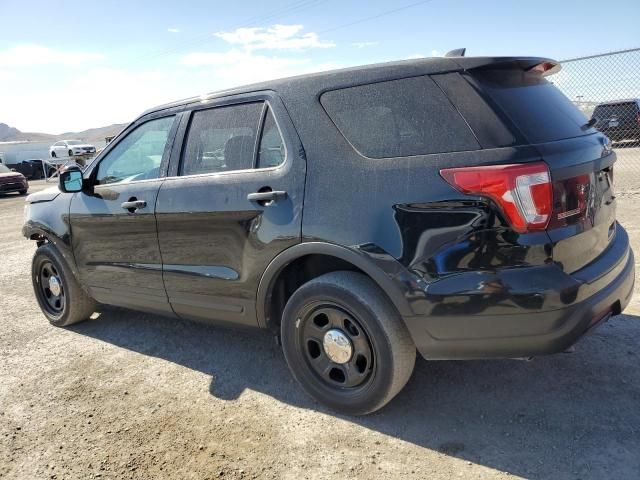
(619, 120)
(33, 169)
(12, 181)
(69, 148)
(460, 207)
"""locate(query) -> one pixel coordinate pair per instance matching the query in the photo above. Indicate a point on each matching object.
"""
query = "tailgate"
(580, 159)
(583, 220)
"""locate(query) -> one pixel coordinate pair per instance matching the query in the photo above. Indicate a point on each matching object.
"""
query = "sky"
(73, 65)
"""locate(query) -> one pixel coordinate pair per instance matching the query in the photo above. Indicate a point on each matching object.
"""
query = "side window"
(271, 152)
(138, 155)
(398, 118)
(221, 139)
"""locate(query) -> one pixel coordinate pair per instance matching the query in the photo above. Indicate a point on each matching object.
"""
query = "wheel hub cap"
(337, 346)
(54, 286)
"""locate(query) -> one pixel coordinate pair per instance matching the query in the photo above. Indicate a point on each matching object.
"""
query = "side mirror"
(71, 180)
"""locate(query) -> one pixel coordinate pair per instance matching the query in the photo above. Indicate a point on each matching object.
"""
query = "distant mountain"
(10, 134)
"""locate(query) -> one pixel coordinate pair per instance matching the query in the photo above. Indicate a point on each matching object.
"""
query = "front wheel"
(70, 153)
(345, 343)
(59, 294)
(53, 154)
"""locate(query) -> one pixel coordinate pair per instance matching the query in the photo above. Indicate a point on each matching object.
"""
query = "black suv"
(459, 206)
(619, 120)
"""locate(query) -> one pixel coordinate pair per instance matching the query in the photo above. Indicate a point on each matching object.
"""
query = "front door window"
(138, 155)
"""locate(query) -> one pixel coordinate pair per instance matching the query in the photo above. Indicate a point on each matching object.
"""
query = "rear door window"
(398, 118)
(221, 139)
(534, 105)
(271, 152)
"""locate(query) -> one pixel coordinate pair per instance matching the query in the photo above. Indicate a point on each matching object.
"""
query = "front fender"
(49, 221)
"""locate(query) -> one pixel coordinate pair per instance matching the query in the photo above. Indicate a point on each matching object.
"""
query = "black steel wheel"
(345, 342)
(50, 288)
(57, 291)
(336, 346)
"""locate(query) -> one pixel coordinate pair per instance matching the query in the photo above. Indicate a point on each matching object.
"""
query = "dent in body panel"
(459, 256)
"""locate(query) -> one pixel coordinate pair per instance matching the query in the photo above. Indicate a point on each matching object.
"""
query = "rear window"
(535, 106)
(398, 118)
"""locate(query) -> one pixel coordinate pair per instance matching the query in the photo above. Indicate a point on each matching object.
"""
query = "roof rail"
(458, 52)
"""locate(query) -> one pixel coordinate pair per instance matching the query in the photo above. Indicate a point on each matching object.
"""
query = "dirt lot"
(129, 395)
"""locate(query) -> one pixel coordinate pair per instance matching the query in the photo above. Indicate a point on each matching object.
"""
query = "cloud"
(235, 67)
(37, 55)
(173, 30)
(364, 44)
(276, 37)
(88, 98)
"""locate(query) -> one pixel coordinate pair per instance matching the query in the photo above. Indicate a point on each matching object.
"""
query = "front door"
(115, 241)
(233, 203)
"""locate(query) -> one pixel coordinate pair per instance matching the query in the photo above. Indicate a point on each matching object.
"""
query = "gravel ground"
(129, 395)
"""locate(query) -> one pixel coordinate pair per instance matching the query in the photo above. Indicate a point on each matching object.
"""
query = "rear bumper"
(523, 312)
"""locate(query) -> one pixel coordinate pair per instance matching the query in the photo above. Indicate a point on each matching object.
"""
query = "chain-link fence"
(606, 88)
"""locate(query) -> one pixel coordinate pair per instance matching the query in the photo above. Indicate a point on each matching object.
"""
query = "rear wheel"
(59, 294)
(53, 154)
(23, 192)
(70, 153)
(345, 343)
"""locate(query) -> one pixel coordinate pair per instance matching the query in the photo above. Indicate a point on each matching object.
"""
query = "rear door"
(115, 241)
(233, 201)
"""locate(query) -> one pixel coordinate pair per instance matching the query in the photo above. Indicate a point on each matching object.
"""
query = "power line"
(373, 17)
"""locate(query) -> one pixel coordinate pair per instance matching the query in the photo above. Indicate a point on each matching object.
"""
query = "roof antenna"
(458, 52)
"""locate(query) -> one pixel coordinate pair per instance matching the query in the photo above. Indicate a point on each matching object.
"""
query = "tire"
(70, 153)
(73, 304)
(22, 192)
(382, 354)
(53, 154)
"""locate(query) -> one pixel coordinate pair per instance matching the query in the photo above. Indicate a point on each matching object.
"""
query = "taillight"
(522, 191)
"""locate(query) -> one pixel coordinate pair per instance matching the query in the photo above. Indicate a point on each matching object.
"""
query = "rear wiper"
(589, 124)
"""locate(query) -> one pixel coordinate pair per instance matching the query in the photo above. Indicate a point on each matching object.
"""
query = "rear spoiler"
(544, 66)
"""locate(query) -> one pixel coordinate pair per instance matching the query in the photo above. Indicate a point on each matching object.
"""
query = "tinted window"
(403, 117)
(138, 155)
(272, 151)
(626, 111)
(536, 107)
(221, 139)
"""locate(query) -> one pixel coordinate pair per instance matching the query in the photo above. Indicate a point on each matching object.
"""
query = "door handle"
(266, 198)
(133, 204)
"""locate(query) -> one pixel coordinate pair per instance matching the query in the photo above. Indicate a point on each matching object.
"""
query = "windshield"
(4, 169)
(74, 142)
